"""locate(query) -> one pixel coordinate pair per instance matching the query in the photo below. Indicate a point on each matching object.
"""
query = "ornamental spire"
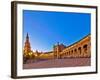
(27, 46)
(27, 37)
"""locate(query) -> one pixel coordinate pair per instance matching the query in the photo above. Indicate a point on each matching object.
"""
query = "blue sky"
(46, 28)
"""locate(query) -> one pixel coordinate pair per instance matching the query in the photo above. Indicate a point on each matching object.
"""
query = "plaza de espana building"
(79, 49)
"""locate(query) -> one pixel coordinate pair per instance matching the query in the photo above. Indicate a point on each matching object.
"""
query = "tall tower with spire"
(27, 47)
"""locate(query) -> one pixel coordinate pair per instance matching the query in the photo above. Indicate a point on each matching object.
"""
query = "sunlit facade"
(79, 49)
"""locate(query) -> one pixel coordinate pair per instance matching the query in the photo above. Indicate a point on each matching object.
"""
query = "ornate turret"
(27, 47)
(57, 49)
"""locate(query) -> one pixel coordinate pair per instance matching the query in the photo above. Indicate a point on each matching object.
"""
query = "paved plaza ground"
(54, 63)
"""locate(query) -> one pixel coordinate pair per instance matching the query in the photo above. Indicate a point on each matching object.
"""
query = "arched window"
(79, 49)
(85, 48)
(72, 51)
(75, 50)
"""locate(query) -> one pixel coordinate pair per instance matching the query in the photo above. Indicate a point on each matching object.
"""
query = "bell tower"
(56, 50)
(27, 47)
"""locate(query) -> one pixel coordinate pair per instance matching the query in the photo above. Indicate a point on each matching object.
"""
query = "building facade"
(79, 49)
(57, 49)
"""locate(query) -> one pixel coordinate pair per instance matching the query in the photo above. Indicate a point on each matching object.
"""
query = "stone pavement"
(54, 63)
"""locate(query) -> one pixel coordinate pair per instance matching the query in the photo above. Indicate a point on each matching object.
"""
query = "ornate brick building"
(79, 49)
(57, 49)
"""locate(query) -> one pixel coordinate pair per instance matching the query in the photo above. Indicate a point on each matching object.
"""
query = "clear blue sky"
(46, 28)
